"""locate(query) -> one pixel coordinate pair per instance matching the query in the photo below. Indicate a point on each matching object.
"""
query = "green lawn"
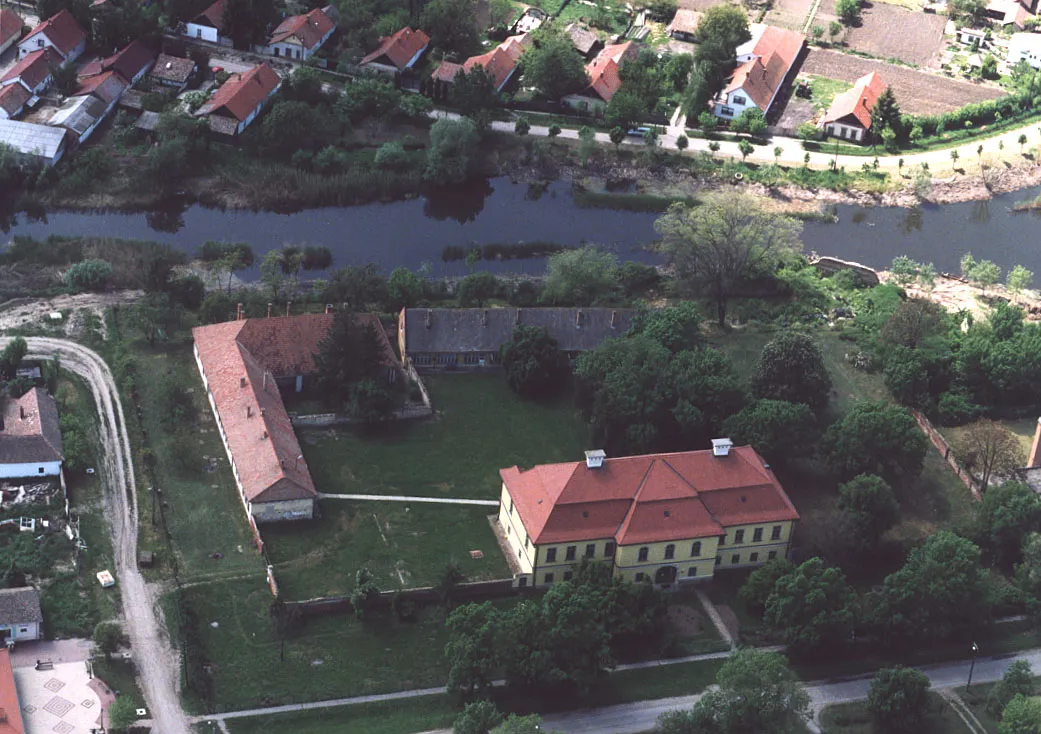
(1023, 428)
(392, 717)
(854, 718)
(202, 510)
(825, 90)
(404, 545)
(976, 699)
(482, 426)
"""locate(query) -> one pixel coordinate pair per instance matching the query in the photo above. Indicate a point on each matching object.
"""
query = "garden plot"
(891, 32)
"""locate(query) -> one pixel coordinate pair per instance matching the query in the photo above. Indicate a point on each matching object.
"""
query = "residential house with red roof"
(298, 37)
(243, 363)
(131, 63)
(209, 25)
(60, 32)
(684, 25)
(604, 77)
(501, 62)
(398, 51)
(10, 709)
(34, 72)
(849, 116)
(10, 28)
(12, 100)
(240, 100)
(662, 518)
(173, 71)
(108, 87)
(764, 63)
(30, 438)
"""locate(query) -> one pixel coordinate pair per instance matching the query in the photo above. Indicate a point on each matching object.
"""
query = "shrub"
(89, 275)
(392, 155)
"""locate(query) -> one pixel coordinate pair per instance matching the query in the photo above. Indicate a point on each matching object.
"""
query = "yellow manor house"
(666, 518)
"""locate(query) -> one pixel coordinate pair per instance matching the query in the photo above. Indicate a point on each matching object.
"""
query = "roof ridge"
(632, 502)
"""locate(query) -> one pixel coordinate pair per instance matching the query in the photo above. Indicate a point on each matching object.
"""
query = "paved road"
(155, 661)
(400, 498)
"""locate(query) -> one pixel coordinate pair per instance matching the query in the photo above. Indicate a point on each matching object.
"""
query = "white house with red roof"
(209, 25)
(501, 62)
(239, 101)
(10, 28)
(661, 518)
(849, 116)
(298, 37)
(34, 72)
(763, 65)
(398, 51)
(30, 438)
(60, 32)
(12, 100)
(604, 73)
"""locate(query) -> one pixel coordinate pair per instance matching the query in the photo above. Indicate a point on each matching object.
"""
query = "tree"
(515, 724)
(746, 148)
(677, 328)
(122, 713)
(1021, 716)
(477, 289)
(88, 275)
(475, 95)
(813, 607)
(534, 367)
(834, 29)
(1008, 514)
(759, 585)
(916, 323)
(522, 126)
(473, 631)
(365, 593)
(155, 316)
(108, 636)
(975, 9)
(1018, 279)
(1018, 680)
(724, 24)
(941, 590)
(871, 506)
(12, 356)
(777, 153)
(350, 352)
(625, 110)
(617, 136)
(682, 142)
(988, 449)
(450, 25)
(404, 289)
(359, 286)
(552, 66)
(501, 13)
(757, 694)
(370, 401)
(451, 153)
(874, 438)
(751, 121)
(1022, 140)
(791, 367)
(587, 141)
(247, 22)
(227, 257)
(582, 276)
(779, 430)
(817, 32)
(848, 11)
(954, 157)
(886, 112)
(722, 241)
(478, 717)
(899, 699)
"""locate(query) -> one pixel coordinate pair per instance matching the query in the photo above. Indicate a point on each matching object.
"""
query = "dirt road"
(157, 663)
(34, 311)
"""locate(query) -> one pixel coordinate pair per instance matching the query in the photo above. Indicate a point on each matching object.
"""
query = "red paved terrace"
(647, 499)
(242, 362)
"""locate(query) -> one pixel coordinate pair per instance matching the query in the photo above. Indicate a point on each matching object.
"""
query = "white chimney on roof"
(721, 446)
(595, 458)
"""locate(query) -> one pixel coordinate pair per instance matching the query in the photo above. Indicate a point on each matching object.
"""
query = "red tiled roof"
(62, 30)
(10, 25)
(29, 429)
(603, 71)
(786, 44)
(647, 499)
(129, 62)
(310, 29)
(241, 360)
(212, 16)
(34, 68)
(501, 60)
(107, 87)
(241, 94)
(400, 47)
(446, 71)
(759, 78)
(11, 718)
(858, 101)
(12, 98)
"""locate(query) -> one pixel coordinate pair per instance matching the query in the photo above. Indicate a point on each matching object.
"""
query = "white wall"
(736, 108)
(202, 32)
(40, 41)
(845, 132)
(20, 471)
(32, 631)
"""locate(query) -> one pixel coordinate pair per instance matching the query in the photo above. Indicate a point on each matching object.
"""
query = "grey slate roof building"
(40, 142)
(20, 606)
(29, 430)
(466, 336)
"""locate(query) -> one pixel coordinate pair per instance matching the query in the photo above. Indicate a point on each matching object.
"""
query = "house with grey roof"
(32, 142)
(20, 617)
(30, 438)
(466, 338)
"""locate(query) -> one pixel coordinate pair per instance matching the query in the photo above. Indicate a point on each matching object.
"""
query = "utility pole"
(972, 665)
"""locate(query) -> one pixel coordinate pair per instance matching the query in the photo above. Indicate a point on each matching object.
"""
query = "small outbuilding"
(30, 438)
(21, 619)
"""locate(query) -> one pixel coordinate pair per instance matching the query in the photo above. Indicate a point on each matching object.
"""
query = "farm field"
(888, 31)
(917, 92)
(790, 14)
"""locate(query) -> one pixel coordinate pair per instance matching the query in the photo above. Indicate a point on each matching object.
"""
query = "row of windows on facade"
(692, 572)
(670, 550)
(453, 358)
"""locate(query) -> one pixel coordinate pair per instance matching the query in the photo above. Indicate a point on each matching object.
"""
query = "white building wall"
(22, 632)
(40, 41)
(845, 132)
(284, 510)
(201, 32)
(735, 107)
(32, 469)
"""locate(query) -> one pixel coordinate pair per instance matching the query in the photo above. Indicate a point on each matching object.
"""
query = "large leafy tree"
(871, 506)
(475, 95)
(780, 431)
(450, 25)
(758, 694)
(1017, 680)
(1007, 515)
(247, 21)
(534, 367)
(477, 288)
(875, 438)
(675, 327)
(350, 354)
(359, 286)
(552, 66)
(759, 585)
(582, 276)
(471, 649)
(156, 316)
(452, 153)
(725, 24)
(899, 699)
(886, 112)
(723, 240)
(625, 110)
(939, 591)
(791, 367)
(813, 607)
(990, 450)
(1021, 716)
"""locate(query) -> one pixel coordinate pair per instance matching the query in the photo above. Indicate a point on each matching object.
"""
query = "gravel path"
(156, 661)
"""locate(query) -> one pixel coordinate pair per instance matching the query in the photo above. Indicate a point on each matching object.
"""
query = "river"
(410, 233)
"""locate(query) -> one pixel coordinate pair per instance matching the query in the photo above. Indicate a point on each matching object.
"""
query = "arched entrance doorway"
(665, 575)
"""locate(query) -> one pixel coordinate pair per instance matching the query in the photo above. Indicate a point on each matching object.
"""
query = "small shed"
(20, 616)
(146, 559)
(148, 121)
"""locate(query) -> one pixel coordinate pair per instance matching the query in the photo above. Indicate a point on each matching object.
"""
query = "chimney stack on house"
(484, 317)
(721, 446)
(429, 317)
(270, 306)
(242, 382)
(265, 382)
(516, 317)
(1034, 459)
(249, 411)
(289, 305)
(595, 458)
(328, 308)
(578, 318)
(240, 312)
(21, 412)
(614, 319)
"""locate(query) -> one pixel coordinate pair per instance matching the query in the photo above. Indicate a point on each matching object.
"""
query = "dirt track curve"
(157, 664)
